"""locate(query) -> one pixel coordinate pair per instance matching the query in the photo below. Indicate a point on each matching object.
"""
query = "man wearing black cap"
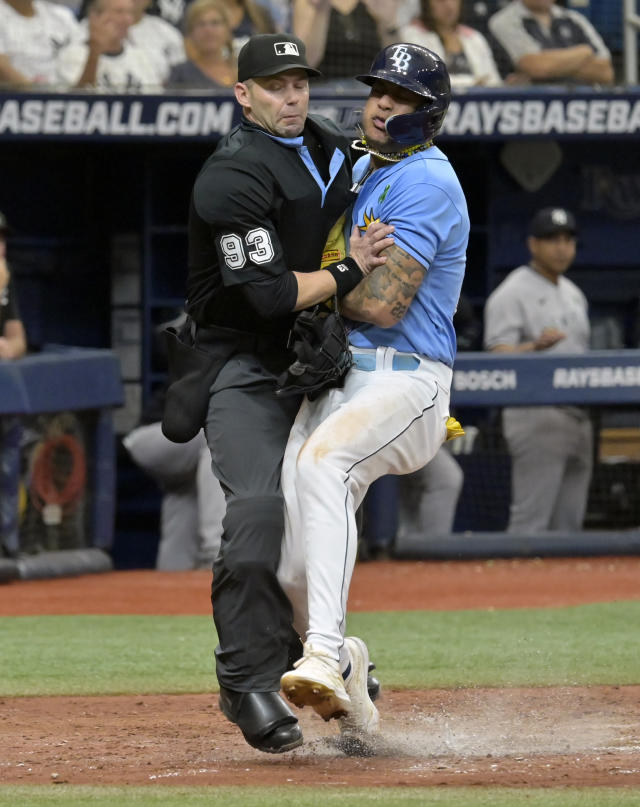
(537, 308)
(13, 345)
(262, 208)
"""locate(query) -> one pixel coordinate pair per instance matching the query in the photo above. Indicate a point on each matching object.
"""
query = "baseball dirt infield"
(536, 737)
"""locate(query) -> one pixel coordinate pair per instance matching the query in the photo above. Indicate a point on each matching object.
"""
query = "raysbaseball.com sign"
(95, 117)
(535, 117)
(489, 115)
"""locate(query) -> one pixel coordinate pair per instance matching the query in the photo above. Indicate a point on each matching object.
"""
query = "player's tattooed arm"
(384, 296)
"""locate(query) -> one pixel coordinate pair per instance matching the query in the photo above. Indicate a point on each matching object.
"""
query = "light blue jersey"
(421, 196)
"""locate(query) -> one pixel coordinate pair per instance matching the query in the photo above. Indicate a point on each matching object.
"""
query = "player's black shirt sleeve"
(273, 296)
(238, 203)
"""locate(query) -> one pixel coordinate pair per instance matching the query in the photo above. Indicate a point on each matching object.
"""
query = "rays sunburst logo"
(369, 219)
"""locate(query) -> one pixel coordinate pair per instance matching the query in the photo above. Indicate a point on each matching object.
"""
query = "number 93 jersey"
(260, 207)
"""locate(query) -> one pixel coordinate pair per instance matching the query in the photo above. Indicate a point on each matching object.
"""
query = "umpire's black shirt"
(263, 206)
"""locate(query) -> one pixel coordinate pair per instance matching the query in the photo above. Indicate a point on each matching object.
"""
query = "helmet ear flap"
(416, 127)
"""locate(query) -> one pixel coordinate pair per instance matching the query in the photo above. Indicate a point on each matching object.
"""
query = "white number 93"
(256, 245)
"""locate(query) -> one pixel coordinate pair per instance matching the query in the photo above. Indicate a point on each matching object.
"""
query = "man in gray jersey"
(537, 308)
(549, 44)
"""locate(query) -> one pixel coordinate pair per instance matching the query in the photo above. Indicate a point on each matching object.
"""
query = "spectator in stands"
(550, 44)
(107, 60)
(172, 11)
(161, 41)
(247, 17)
(13, 345)
(279, 12)
(31, 34)
(212, 63)
(342, 37)
(466, 52)
(536, 308)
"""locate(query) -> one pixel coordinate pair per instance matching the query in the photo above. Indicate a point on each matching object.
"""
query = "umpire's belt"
(383, 359)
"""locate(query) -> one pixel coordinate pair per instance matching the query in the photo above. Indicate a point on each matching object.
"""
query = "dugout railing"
(57, 479)
(607, 383)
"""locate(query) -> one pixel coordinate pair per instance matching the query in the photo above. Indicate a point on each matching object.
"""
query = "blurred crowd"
(182, 45)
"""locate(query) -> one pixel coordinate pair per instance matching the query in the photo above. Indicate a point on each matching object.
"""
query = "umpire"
(261, 210)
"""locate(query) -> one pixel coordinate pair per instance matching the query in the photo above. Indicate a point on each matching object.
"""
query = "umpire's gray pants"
(247, 430)
(551, 451)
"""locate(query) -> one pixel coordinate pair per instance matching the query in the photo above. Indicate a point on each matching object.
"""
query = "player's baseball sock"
(316, 681)
(362, 716)
(264, 719)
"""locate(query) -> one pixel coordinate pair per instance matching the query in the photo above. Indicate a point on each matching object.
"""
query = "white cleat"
(316, 681)
(362, 718)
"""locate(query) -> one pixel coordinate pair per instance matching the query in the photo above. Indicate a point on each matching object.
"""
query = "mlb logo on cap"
(270, 54)
(286, 49)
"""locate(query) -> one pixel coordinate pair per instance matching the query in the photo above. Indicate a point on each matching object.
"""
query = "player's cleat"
(316, 681)
(362, 716)
(264, 719)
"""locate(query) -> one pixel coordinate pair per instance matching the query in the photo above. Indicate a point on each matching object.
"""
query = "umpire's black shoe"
(264, 719)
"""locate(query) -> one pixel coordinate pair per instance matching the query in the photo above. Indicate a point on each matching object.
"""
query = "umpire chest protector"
(262, 206)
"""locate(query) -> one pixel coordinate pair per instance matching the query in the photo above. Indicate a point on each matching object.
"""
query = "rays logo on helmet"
(286, 49)
(401, 58)
(423, 72)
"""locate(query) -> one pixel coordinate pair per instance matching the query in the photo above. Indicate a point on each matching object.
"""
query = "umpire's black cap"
(268, 54)
(4, 224)
(552, 220)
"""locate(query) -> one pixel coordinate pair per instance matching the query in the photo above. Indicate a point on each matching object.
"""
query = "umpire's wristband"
(347, 275)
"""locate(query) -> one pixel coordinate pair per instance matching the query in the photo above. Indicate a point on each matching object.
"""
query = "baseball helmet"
(422, 71)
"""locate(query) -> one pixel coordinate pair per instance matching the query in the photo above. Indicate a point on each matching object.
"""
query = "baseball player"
(13, 345)
(261, 210)
(391, 416)
(537, 308)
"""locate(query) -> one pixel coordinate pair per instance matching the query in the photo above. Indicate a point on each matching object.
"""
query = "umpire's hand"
(366, 248)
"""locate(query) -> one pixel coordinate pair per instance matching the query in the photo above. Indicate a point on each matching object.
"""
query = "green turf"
(62, 655)
(295, 796)
(591, 644)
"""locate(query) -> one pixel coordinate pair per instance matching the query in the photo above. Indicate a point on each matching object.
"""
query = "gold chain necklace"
(360, 144)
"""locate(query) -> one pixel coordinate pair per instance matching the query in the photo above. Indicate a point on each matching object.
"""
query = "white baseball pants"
(383, 421)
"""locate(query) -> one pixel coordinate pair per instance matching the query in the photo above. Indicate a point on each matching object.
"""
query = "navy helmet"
(422, 71)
